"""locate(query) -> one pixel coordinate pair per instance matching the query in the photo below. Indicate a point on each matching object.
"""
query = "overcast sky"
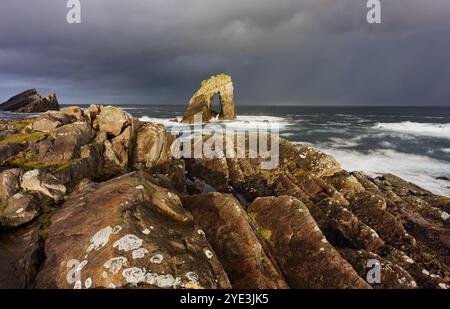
(308, 52)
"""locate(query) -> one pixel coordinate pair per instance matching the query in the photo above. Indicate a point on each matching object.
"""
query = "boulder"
(227, 228)
(127, 232)
(302, 251)
(201, 102)
(43, 182)
(65, 142)
(21, 254)
(20, 209)
(30, 101)
(119, 151)
(152, 145)
(113, 120)
(9, 183)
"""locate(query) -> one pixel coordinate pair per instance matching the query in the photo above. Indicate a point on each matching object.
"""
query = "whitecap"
(440, 130)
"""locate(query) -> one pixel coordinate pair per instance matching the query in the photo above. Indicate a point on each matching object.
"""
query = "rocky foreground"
(93, 199)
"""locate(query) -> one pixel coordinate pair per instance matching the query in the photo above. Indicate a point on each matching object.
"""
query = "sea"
(411, 142)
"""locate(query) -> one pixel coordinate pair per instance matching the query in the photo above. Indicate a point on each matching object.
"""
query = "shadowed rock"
(30, 101)
(21, 253)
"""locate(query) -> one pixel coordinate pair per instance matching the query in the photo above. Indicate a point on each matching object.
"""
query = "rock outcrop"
(30, 101)
(117, 210)
(201, 102)
(129, 233)
(226, 225)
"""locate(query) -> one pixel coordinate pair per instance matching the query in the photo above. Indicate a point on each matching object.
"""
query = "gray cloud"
(284, 51)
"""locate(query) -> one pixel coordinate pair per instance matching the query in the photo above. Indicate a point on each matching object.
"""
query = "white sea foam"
(441, 130)
(244, 121)
(420, 170)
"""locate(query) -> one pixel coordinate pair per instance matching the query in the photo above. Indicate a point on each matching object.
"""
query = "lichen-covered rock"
(304, 254)
(20, 209)
(43, 182)
(391, 275)
(127, 232)
(30, 101)
(21, 254)
(370, 209)
(9, 183)
(226, 225)
(201, 102)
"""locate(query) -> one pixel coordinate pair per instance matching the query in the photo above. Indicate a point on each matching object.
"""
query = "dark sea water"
(412, 142)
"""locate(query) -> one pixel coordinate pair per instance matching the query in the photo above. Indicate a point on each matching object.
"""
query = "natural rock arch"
(201, 102)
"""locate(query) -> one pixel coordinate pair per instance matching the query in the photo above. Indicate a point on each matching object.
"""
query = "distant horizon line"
(268, 105)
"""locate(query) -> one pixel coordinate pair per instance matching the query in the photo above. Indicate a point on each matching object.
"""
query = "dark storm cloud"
(278, 51)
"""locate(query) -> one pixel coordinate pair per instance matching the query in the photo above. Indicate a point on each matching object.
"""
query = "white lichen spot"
(209, 254)
(408, 259)
(115, 264)
(200, 232)
(140, 187)
(128, 242)
(134, 275)
(116, 229)
(157, 259)
(324, 240)
(31, 174)
(100, 239)
(20, 210)
(443, 286)
(425, 272)
(77, 285)
(444, 215)
(111, 286)
(139, 253)
(316, 228)
(192, 278)
(146, 232)
(150, 278)
(17, 196)
(88, 283)
(81, 265)
(104, 274)
(322, 249)
(165, 281)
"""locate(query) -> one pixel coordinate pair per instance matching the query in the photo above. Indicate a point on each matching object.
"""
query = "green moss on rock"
(20, 138)
(264, 232)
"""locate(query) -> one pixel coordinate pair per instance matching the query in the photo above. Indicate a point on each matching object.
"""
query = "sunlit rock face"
(201, 102)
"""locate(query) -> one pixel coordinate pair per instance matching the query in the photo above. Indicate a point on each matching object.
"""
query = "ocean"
(411, 142)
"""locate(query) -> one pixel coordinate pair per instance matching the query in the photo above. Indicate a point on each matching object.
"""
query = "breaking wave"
(440, 130)
(418, 169)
